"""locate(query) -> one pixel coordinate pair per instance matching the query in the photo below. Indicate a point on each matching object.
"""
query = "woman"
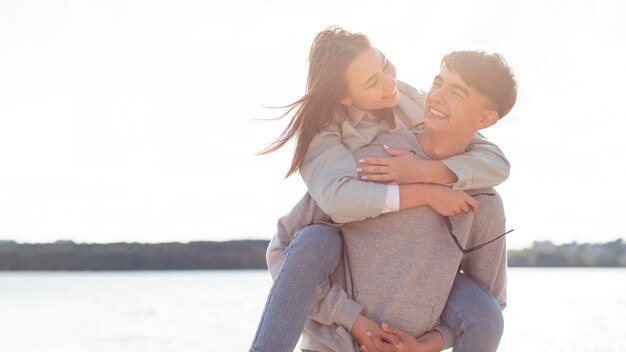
(346, 106)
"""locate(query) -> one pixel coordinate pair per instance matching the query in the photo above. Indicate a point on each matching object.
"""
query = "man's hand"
(403, 167)
(431, 341)
(368, 333)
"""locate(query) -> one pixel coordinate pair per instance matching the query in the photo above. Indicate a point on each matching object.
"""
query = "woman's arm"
(483, 165)
(333, 181)
(441, 199)
(403, 167)
(329, 172)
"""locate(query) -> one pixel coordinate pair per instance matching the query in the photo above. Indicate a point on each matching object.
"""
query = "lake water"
(549, 310)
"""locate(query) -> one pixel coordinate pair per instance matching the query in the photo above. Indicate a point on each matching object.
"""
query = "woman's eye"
(389, 69)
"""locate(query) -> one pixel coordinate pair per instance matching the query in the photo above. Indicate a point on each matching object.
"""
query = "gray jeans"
(471, 311)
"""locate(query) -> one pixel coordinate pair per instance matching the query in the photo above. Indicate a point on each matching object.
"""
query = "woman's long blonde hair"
(333, 49)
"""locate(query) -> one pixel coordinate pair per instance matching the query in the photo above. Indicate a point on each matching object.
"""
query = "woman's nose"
(390, 82)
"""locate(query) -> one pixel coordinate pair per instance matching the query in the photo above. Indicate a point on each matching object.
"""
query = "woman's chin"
(391, 101)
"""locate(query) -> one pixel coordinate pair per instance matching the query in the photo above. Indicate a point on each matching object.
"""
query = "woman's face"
(371, 81)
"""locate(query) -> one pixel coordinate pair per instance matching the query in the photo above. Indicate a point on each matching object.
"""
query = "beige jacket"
(329, 168)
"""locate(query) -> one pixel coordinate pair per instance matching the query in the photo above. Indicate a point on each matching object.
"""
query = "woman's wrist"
(435, 171)
(415, 195)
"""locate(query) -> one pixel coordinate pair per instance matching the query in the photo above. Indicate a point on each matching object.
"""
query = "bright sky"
(134, 121)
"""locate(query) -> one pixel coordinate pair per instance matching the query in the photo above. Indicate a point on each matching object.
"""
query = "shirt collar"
(356, 115)
(412, 111)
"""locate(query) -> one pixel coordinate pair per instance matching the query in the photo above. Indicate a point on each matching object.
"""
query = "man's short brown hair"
(488, 73)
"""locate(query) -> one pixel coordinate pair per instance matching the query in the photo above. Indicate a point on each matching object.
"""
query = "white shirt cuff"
(392, 201)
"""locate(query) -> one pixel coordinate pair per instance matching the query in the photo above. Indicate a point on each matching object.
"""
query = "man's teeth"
(438, 113)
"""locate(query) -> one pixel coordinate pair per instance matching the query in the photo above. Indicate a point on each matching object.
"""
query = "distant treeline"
(547, 254)
(67, 255)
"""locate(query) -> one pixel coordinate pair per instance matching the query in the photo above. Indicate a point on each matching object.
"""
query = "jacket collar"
(356, 115)
(413, 113)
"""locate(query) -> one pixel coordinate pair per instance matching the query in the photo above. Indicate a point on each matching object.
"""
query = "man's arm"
(431, 341)
(488, 264)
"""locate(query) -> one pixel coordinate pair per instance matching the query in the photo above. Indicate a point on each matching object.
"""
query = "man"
(401, 266)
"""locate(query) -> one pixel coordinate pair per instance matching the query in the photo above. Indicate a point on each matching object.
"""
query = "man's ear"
(488, 118)
(345, 101)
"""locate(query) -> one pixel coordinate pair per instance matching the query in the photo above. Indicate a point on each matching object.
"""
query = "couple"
(391, 280)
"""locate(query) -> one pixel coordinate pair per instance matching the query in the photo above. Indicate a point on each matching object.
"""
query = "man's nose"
(437, 95)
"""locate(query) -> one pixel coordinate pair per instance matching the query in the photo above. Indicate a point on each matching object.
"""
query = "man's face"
(453, 107)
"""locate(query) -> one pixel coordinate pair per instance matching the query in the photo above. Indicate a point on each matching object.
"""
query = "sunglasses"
(456, 240)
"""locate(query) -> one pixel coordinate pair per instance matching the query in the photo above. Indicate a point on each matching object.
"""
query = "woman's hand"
(404, 167)
(369, 334)
(448, 202)
(431, 341)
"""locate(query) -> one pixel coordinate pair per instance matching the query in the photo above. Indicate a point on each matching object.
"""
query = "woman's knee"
(474, 307)
(319, 244)
(491, 321)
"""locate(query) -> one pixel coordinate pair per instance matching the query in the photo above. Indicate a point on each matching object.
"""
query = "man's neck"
(442, 146)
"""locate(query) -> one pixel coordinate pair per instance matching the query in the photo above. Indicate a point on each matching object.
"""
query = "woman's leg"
(474, 315)
(309, 260)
